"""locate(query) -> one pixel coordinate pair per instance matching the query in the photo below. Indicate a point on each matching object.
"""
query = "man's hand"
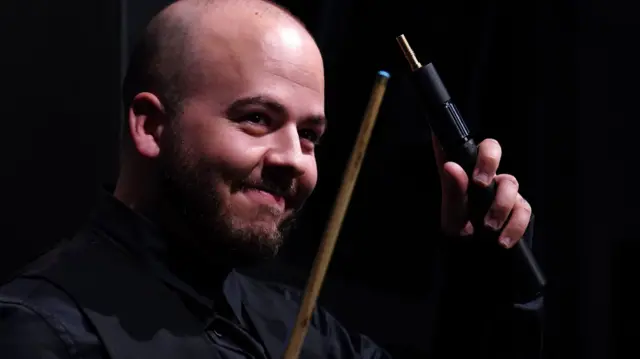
(508, 204)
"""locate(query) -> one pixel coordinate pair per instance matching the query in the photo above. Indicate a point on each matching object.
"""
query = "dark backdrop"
(554, 81)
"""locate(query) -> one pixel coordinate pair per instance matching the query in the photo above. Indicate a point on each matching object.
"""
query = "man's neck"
(181, 253)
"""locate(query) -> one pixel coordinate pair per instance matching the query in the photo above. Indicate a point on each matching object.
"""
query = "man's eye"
(310, 135)
(257, 119)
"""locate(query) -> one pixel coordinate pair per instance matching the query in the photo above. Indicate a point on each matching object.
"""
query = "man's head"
(225, 105)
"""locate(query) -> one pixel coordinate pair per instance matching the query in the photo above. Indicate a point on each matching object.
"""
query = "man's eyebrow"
(258, 100)
(271, 105)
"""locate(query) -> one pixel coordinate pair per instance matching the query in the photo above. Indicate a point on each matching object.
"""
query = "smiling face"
(238, 161)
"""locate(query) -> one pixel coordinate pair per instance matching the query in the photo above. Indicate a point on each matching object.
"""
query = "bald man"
(225, 106)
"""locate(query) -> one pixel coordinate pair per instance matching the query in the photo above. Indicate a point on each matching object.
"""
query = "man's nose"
(286, 152)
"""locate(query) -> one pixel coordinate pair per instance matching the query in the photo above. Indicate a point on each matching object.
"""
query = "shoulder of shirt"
(275, 291)
(285, 300)
(42, 301)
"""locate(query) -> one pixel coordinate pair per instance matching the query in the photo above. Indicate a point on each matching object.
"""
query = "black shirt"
(116, 290)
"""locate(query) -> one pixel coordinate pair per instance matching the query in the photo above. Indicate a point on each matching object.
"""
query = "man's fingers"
(518, 223)
(503, 203)
(489, 154)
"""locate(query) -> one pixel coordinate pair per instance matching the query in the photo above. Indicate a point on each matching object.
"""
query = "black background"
(556, 82)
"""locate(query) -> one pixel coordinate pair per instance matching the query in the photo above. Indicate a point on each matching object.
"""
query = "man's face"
(239, 160)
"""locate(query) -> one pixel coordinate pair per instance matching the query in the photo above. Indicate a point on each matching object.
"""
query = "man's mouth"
(266, 196)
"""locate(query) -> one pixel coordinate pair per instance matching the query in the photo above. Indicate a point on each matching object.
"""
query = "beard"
(214, 229)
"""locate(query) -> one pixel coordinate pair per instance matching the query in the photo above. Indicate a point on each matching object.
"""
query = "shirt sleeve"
(482, 309)
(25, 334)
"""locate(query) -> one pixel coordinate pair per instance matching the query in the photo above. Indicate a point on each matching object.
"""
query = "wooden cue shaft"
(330, 236)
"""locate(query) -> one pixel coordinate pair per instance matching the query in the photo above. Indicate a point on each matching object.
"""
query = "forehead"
(280, 60)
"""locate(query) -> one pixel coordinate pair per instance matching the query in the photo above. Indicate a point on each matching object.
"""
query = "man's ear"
(147, 119)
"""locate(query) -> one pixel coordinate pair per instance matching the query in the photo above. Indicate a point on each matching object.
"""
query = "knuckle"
(512, 179)
(526, 207)
(522, 220)
(490, 157)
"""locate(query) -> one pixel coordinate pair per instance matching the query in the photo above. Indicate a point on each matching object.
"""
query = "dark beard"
(212, 232)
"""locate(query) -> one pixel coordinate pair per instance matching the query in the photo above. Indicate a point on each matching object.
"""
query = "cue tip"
(383, 73)
(408, 53)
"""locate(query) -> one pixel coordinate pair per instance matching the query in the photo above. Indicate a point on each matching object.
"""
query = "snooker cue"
(330, 236)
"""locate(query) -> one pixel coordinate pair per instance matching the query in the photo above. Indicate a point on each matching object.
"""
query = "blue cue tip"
(384, 74)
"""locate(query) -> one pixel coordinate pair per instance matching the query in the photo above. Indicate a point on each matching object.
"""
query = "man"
(225, 107)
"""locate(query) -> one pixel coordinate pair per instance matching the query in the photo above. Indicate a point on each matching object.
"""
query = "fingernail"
(506, 242)
(481, 177)
(491, 223)
(468, 230)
